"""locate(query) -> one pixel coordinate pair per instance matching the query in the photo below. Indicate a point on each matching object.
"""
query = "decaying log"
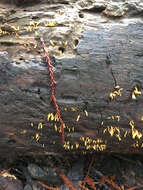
(99, 90)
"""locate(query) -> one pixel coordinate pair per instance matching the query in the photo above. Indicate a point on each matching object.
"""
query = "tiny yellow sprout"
(78, 117)
(76, 145)
(50, 24)
(125, 134)
(50, 116)
(118, 136)
(35, 46)
(60, 11)
(40, 126)
(133, 96)
(16, 35)
(131, 123)
(136, 91)
(24, 132)
(73, 109)
(14, 27)
(31, 124)
(60, 52)
(117, 87)
(112, 95)
(105, 130)
(56, 128)
(37, 136)
(117, 117)
(65, 43)
(111, 131)
(52, 43)
(135, 134)
(86, 113)
(60, 43)
(36, 33)
(112, 117)
(56, 117)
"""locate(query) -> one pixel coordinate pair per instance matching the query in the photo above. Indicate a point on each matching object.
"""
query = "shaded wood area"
(99, 73)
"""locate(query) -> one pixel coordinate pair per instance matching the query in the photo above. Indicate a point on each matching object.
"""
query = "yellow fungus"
(56, 128)
(136, 91)
(31, 124)
(131, 123)
(37, 136)
(77, 145)
(60, 52)
(36, 33)
(24, 132)
(50, 24)
(78, 117)
(133, 96)
(52, 43)
(125, 134)
(117, 87)
(86, 113)
(16, 29)
(118, 136)
(50, 116)
(65, 43)
(73, 109)
(117, 117)
(56, 117)
(111, 130)
(40, 126)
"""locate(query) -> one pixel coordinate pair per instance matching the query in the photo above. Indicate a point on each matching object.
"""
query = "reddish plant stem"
(53, 83)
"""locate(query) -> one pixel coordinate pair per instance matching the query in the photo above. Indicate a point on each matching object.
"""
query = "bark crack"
(109, 65)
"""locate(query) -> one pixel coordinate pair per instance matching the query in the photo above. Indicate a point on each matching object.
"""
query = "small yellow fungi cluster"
(113, 131)
(52, 117)
(135, 92)
(59, 11)
(32, 27)
(2, 32)
(126, 133)
(116, 117)
(135, 133)
(94, 144)
(137, 145)
(78, 117)
(37, 136)
(50, 24)
(69, 146)
(10, 30)
(40, 126)
(116, 92)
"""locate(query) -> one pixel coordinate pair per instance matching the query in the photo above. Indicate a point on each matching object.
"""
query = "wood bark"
(99, 91)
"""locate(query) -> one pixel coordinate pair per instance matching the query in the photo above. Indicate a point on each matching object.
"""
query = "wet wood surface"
(99, 91)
